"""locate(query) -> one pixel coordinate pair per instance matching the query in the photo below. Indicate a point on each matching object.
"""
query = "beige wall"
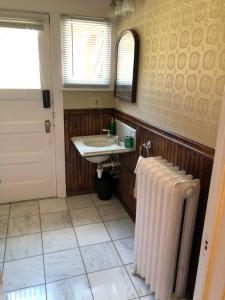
(81, 99)
(97, 8)
(182, 65)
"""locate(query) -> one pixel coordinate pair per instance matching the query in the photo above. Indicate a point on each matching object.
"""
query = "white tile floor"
(80, 248)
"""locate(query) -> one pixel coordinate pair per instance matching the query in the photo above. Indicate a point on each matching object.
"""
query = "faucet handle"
(117, 140)
(108, 132)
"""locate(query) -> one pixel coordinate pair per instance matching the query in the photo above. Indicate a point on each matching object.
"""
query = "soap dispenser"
(112, 126)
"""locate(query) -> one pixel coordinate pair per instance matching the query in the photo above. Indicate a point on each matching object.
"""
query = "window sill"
(87, 89)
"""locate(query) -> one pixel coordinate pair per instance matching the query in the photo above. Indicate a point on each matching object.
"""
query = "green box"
(129, 142)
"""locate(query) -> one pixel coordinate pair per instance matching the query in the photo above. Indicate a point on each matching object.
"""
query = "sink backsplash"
(123, 129)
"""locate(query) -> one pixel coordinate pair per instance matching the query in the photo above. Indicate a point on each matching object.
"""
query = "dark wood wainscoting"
(79, 122)
(196, 159)
(190, 156)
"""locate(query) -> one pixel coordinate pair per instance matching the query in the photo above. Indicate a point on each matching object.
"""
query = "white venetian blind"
(86, 48)
(125, 60)
(21, 23)
(10, 19)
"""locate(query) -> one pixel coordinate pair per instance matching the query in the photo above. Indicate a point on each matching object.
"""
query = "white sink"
(98, 148)
(98, 159)
(99, 142)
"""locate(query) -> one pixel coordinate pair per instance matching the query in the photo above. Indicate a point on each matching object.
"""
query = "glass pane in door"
(19, 59)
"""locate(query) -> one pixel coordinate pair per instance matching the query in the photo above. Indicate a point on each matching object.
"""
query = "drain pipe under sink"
(101, 167)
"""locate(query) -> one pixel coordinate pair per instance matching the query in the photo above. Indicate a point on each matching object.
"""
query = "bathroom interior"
(112, 149)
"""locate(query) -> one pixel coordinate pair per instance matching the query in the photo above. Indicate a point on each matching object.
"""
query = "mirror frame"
(135, 35)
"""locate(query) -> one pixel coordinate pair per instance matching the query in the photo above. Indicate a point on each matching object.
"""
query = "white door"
(27, 151)
(210, 282)
(1, 288)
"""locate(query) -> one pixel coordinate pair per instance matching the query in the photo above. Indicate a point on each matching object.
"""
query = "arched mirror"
(127, 52)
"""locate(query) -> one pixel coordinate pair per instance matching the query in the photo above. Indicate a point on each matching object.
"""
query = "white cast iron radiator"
(167, 201)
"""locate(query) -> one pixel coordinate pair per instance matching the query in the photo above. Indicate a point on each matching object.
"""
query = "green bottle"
(112, 127)
(128, 141)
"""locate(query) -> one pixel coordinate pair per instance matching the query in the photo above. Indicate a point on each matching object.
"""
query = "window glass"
(19, 59)
(86, 46)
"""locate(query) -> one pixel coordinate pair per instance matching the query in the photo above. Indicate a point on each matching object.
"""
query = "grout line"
(26, 216)
(65, 278)
(106, 228)
(37, 214)
(112, 268)
(42, 244)
(81, 208)
(80, 225)
(71, 225)
(15, 202)
(22, 217)
(27, 287)
(90, 198)
(44, 253)
(6, 238)
(53, 212)
(81, 254)
(61, 250)
(16, 236)
(15, 259)
(54, 229)
(117, 219)
(102, 218)
(96, 244)
(93, 244)
(124, 238)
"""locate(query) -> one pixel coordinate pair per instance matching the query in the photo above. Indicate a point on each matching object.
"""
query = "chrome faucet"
(108, 136)
(117, 140)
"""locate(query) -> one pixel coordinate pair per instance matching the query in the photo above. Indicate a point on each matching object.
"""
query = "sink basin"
(98, 159)
(98, 148)
(99, 142)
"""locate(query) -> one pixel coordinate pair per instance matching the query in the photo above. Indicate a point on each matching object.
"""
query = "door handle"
(47, 126)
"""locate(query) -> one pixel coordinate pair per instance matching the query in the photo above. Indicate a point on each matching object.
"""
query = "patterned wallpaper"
(182, 65)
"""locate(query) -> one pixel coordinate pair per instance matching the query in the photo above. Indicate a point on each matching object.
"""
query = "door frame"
(2, 297)
(57, 93)
(46, 71)
(210, 273)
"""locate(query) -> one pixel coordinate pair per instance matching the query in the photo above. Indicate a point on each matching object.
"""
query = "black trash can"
(105, 186)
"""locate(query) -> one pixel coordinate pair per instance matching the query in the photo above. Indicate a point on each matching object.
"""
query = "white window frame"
(112, 64)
